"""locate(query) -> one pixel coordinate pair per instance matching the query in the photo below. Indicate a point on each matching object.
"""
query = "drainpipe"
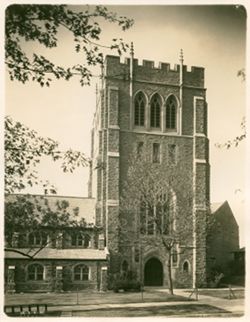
(194, 198)
(181, 92)
(131, 71)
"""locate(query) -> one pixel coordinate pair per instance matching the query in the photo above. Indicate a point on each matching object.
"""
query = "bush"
(215, 277)
(127, 282)
(127, 285)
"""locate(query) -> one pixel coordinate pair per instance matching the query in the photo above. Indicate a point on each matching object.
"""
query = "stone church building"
(140, 109)
(161, 112)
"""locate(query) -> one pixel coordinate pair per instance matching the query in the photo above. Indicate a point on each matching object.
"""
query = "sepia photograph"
(125, 159)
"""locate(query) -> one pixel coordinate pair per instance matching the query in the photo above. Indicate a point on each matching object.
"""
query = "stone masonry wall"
(120, 138)
(48, 284)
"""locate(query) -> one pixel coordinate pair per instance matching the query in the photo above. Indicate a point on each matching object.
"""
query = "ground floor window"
(35, 272)
(81, 273)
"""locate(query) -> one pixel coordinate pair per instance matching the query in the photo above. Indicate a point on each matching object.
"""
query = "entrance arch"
(153, 272)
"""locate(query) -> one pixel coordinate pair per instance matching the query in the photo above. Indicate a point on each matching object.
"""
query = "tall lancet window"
(155, 111)
(171, 112)
(139, 114)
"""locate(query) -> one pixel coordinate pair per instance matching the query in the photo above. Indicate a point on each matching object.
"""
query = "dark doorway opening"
(153, 273)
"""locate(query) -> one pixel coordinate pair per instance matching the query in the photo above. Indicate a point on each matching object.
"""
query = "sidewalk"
(234, 307)
(153, 298)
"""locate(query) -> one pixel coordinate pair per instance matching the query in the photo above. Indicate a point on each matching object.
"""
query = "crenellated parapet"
(148, 71)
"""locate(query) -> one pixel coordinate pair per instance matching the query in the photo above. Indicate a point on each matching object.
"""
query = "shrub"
(215, 277)
(127, 282)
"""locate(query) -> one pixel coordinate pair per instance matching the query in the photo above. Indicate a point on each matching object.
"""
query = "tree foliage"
(24, 149)
(41, 24)
(25, 214)
(150, 190)
(242, 73)
(239, 138)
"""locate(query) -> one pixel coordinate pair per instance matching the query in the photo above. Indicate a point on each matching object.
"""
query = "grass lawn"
(90, 297)
(223, 293)
(182, 310)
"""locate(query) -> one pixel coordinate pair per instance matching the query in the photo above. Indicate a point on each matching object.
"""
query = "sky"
(213, 37)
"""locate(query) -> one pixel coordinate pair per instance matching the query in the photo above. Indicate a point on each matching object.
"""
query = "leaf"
(40, 23)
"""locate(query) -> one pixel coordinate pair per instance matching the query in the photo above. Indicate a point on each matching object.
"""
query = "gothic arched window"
(171, 112)
(155, 111)
(139, 112)
(35, 272)
(158, 217)
(169, 213)
(186, 267)
(81, 273)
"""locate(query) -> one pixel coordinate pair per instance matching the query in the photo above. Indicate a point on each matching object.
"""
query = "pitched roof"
(53, 253)
(215, 206)
(86, 206)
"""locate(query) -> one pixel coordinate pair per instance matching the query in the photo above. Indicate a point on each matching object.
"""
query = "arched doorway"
(153, 272)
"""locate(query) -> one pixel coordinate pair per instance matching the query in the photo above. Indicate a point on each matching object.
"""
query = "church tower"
(162, 111)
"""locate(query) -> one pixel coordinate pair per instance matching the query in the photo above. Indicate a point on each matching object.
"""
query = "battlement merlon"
(148, 72)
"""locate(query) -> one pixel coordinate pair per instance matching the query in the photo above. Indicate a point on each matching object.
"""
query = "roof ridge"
(46, 196)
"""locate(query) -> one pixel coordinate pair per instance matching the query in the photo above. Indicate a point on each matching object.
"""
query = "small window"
(172, 154)
(155, 111)
(35, 272)
(80, 240)
(171, 107)
(174, 257)
(143, 217)
(139, 149)
(81, 273)
(124, 266)
(150, 221)
(137, 255)
(156, 153)
(139, 109)
(37, 239)
(186, 267)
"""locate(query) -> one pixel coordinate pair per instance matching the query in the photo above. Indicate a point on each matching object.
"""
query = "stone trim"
(200, 207)
(201, 135)
(112, 202)
(113, 127)
(200, 161)
(113, 154)
(113, 88)
(160, 83)
(172, 134)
